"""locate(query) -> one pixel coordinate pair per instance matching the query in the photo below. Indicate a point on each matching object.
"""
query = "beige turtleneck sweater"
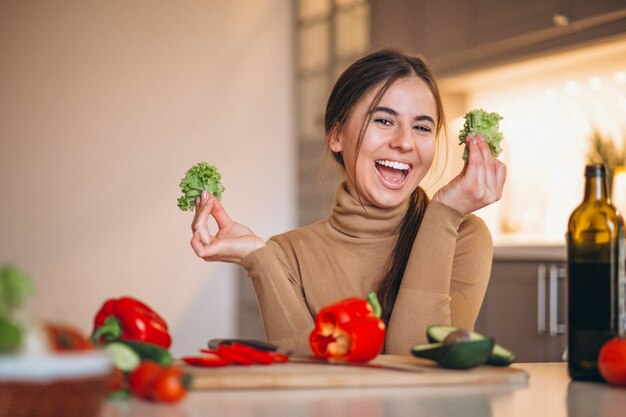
(299, 272)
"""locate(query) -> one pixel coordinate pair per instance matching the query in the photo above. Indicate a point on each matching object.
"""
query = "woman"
(429, 262)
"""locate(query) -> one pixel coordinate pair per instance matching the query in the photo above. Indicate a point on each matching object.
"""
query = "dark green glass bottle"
(595, 276)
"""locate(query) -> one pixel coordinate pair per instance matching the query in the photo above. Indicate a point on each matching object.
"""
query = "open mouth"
(393, 172)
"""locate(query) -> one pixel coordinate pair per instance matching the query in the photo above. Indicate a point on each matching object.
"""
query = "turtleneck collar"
(351, 218)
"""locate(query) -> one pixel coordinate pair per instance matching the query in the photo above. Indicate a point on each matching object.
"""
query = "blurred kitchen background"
(104, 105)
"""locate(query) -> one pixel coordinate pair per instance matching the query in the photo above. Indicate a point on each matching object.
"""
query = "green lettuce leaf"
(199, 177)
(487, 124)
(15, 288)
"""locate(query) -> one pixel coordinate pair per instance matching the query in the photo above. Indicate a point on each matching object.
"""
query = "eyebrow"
(422, 117)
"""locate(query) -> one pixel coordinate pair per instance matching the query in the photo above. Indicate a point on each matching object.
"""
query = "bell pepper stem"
(372, 299)
(111, 329)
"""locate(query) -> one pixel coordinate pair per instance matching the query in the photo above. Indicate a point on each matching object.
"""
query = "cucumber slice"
(500, 356)
(149, 351)
(460, 355)
(124, 357)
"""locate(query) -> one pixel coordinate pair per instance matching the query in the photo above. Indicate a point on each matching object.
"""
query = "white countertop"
(544, 253)
(549, 392)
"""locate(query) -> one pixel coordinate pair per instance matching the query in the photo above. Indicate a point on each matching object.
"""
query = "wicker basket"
(68, 385)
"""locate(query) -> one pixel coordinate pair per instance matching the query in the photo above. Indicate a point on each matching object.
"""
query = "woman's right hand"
(233, 241)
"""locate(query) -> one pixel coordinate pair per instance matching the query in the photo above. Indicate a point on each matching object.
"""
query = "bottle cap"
(595, 170)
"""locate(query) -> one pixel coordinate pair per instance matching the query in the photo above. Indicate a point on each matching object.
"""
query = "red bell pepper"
(129, 318)
(350, 330)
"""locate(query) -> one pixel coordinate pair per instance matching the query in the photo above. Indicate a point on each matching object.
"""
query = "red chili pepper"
(245, 355)
(129, 318)
(206, 361)
(279, 357)
(259, 356)
(350, 329)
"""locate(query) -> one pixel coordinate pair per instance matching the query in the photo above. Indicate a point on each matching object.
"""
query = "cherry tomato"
(143, 378)
(612, 361)
(116, 381)
(65, 337)
(169, 386)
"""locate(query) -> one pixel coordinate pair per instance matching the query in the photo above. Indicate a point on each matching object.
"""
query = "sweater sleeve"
(284, 311)
(445, 278)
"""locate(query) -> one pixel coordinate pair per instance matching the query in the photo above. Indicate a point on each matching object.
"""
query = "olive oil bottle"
(595, 276)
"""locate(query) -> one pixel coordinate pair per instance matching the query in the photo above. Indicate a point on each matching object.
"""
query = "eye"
(383, 121)
(423, 128)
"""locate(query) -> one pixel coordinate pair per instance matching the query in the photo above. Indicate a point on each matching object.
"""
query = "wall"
(103, 107)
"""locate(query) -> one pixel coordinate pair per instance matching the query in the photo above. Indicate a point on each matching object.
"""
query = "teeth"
(394, 164)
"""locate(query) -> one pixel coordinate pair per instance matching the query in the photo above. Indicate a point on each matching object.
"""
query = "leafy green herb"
(10, 335)
(199, 177)
(487, 124)
(15, 287)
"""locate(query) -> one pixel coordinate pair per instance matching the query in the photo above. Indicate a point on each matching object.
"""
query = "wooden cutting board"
(307, 375)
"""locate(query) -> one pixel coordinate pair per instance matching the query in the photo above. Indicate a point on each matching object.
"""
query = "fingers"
(206, 251)
(220, 215)
(489, 170)
(486, 174)
(500, 177)
(201, 219)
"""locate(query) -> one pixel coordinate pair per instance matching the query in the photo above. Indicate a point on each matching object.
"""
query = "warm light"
(572, 88)
(596, 83)
(618, 194)
(549, 94)
(619, 77)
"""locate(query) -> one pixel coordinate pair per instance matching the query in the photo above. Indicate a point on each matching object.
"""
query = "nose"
(402, 140)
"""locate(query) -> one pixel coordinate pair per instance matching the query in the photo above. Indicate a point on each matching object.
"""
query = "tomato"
(64, 337)
(116, 381)
(143, 378)
(154, 382)
(612, 361)
(169, 386)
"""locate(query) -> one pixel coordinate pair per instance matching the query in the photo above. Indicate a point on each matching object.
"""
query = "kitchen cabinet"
(464, 35)
(525, 307)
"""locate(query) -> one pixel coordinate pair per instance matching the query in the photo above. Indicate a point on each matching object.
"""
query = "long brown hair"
(383, 68)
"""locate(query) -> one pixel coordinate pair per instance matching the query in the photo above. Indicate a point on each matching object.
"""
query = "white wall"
(103, 107)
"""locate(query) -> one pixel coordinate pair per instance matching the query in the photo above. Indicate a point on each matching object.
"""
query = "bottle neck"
(595, 188)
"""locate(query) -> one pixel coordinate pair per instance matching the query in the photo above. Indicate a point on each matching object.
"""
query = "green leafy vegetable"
(15, 287)
(199, 177)
(10, 335)
(487, 124)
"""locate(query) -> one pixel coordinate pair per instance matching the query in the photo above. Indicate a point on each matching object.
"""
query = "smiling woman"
(429, 262)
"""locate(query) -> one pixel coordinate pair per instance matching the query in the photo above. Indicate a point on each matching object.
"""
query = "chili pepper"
(236, 353)
(350, 330)
(205, 361)
(129, 318)
(279, 357)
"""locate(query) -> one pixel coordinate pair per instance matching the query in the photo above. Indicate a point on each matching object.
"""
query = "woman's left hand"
(479, 184)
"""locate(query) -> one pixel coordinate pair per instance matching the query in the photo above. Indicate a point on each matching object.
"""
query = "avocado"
(459, 355)
(500, 356)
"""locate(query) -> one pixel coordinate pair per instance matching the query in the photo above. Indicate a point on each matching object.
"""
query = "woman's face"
(398, 145)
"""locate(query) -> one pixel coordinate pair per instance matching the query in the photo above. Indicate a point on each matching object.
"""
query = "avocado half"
(460, 355)
(499, 356)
